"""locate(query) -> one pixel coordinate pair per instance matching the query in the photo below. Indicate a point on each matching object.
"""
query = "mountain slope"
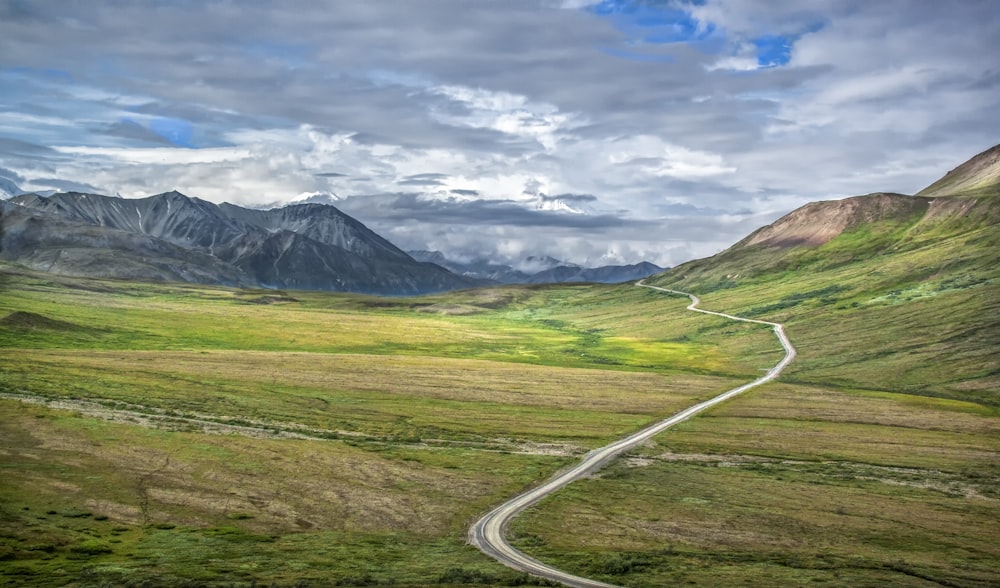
(979, 176)
(882, 291)
(53, 243)
(322, 223)
(304, 246)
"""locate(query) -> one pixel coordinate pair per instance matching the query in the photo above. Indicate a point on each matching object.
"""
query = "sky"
(598, 133)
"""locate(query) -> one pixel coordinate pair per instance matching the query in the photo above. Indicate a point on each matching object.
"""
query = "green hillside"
(905, 297)
(873, 461)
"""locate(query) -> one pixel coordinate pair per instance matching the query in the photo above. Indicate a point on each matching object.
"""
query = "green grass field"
(165, 435)
(874, 461)
(792, 485)
(171, 434)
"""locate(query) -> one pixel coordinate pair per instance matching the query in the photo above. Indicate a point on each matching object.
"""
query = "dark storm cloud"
(11, 175)
(579, 198)
(411, 207)
(428, 179)
(18, 147)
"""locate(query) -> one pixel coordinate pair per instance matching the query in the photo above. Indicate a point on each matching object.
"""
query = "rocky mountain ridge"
(171, 236)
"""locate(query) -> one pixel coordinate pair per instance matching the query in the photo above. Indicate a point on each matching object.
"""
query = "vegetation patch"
(21, 320)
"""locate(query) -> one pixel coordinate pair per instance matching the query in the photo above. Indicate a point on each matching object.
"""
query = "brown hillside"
(979, 173)
(818, 222)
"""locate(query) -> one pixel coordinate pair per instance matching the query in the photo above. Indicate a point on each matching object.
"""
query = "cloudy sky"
(594, 132)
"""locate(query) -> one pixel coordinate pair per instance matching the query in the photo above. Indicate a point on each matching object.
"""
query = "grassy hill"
(882, 291)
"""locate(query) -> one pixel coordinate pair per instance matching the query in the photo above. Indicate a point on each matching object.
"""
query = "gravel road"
(488, 533)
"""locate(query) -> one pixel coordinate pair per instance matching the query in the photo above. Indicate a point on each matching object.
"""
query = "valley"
(161, 433)
(366, 435)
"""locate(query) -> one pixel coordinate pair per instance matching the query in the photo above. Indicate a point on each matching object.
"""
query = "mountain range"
(174, 237)
(310, 245)
(539, 270)
(313, 245)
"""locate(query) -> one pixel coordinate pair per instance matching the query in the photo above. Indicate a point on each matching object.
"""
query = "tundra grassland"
(906, 306)
(874, 461)
(162, 435)
(791, 485)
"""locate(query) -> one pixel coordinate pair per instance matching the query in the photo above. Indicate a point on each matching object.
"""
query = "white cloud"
(507, 101)
(172, 156)
(506, 112)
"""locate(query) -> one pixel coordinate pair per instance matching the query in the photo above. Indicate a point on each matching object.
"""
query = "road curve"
(488, 533)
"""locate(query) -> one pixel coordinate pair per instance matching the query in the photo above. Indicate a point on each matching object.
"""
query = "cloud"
(579, 198)
(129, 129)
(421, 183)
(451, 211)
(11, 175)
(685, 122)
(427, 179)
(161, 155)
(63, 185)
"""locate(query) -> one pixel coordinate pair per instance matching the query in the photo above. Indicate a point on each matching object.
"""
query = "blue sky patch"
(653, 22)
(773, 50)
(178, 132)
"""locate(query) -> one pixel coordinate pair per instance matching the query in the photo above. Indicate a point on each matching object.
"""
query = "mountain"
(882, 291)
(173, 237)
(540, 270)
(609, 274)
(48, 241)
(978, 176)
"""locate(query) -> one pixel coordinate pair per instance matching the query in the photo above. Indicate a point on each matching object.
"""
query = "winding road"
(488, 533)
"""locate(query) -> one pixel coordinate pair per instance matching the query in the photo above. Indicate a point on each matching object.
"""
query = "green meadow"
(873, 461)
(180, 435)
(159, 434)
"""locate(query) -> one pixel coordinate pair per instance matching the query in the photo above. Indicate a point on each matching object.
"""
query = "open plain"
(190, 435)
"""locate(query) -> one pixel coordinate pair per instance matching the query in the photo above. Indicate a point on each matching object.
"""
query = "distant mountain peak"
(554, 270)
(325, 198)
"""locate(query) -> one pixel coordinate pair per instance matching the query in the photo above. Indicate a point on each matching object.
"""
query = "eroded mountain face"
(173, 237)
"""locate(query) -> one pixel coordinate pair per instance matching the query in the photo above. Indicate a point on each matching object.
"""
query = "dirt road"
(488, 533)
